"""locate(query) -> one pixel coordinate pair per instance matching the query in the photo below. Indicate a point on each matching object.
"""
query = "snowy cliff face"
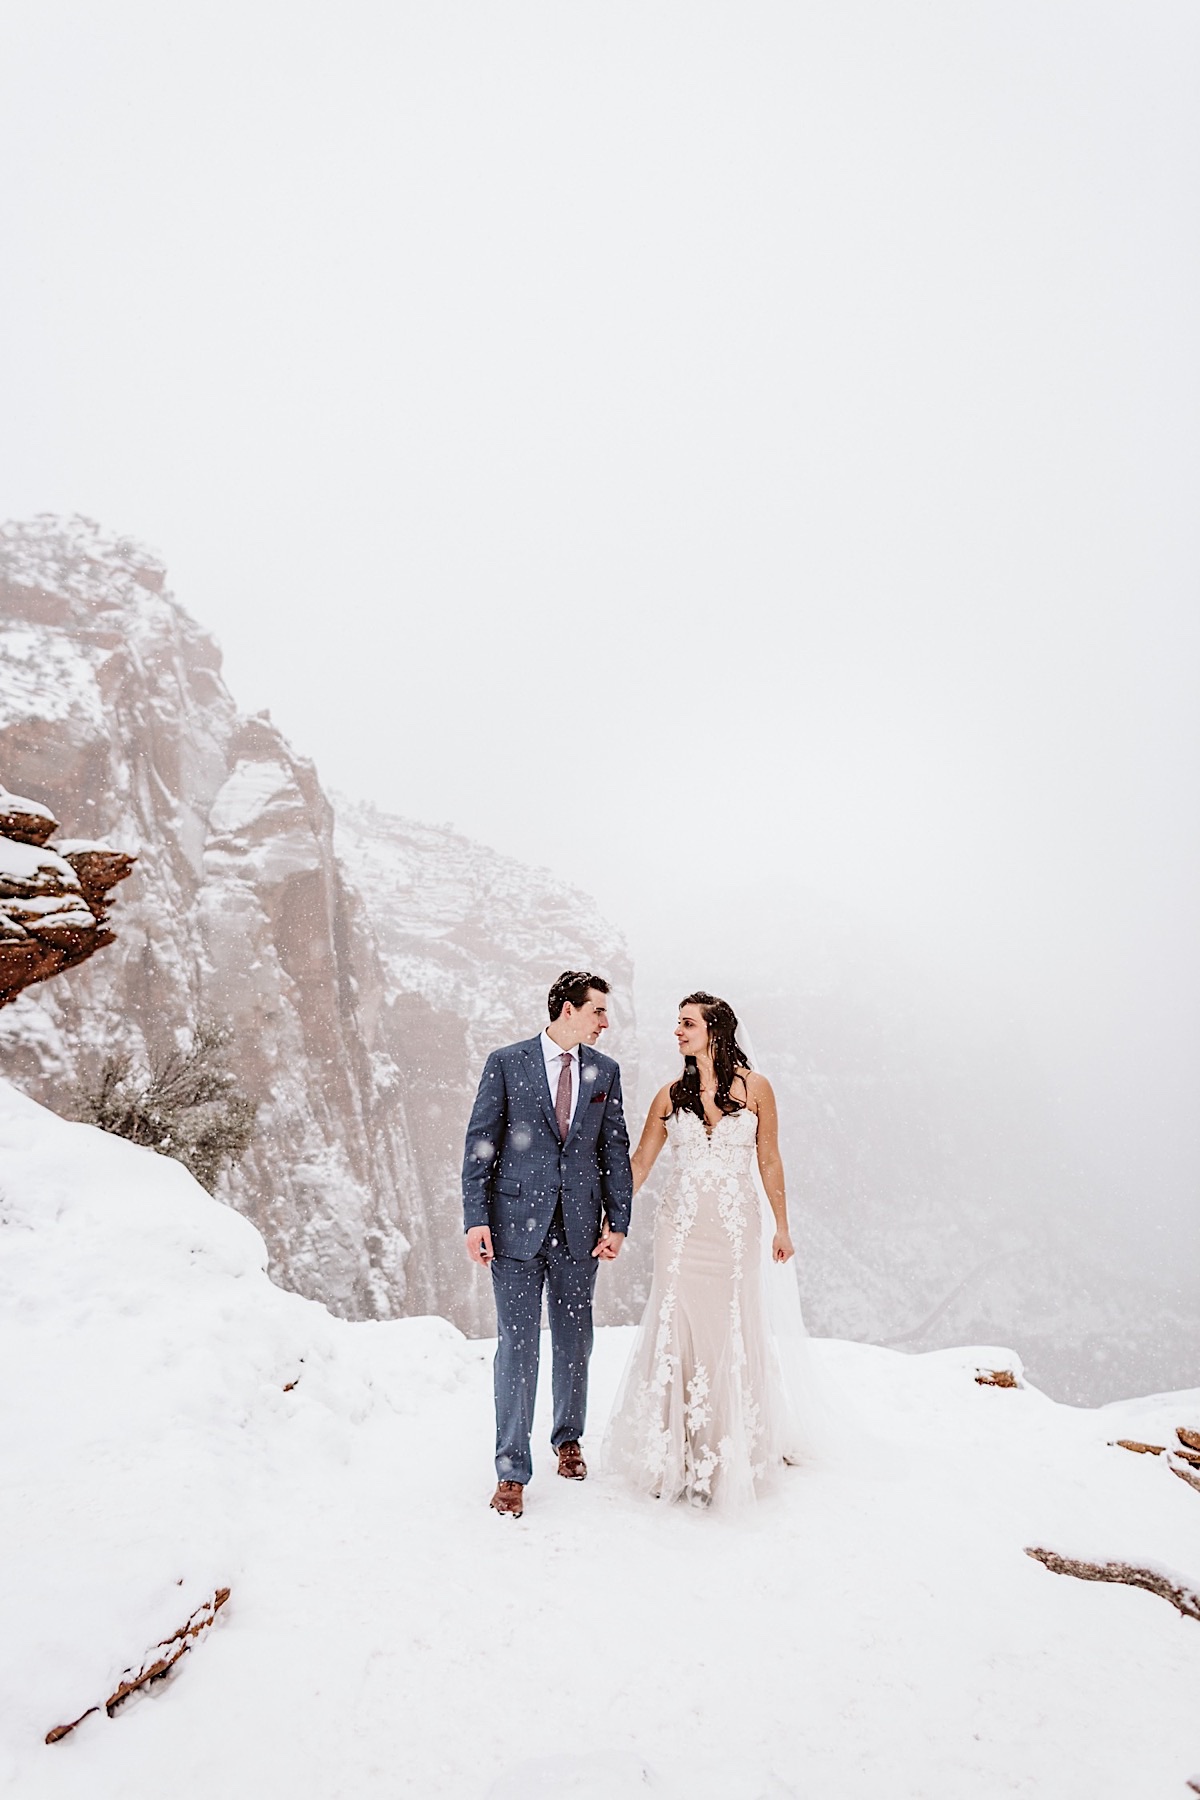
(359, 1036)
(112, 708)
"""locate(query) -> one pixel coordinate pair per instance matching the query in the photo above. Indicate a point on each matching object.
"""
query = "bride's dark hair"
(729, 1059)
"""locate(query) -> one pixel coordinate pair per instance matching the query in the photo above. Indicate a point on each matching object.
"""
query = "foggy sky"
(743, 456)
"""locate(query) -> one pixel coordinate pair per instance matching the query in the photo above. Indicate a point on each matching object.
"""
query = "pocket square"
(596, 1098)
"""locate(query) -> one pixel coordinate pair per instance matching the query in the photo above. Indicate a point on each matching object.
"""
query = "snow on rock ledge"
(53, 903)
(25, 821)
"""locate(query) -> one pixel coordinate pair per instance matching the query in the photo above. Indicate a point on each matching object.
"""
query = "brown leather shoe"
(571, 1465)
(509, 1497)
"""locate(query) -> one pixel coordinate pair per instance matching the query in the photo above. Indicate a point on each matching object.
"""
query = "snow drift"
(178, 1425)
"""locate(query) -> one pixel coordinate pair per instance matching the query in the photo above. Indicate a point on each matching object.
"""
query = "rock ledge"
(53, 903)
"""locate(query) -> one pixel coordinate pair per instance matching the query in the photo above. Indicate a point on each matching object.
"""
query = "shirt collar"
(551, 1051)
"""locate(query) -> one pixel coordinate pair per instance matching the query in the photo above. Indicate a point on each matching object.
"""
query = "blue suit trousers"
(518, 1285)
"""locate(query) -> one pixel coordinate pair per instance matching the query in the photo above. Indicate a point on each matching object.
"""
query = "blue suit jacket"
(515, 1170)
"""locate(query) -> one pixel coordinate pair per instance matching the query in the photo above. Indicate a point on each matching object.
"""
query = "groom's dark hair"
(573, 985)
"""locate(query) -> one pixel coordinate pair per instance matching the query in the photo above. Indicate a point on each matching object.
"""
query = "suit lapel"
(533, 1051)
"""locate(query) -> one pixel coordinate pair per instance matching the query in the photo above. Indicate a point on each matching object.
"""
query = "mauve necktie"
(562, 1100)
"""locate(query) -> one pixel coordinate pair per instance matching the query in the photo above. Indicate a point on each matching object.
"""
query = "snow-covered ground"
(877, 1633)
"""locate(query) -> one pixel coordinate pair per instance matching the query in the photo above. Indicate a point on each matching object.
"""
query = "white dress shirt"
(553, 1054)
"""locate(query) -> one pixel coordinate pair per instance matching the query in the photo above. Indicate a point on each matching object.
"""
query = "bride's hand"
(782, 1249)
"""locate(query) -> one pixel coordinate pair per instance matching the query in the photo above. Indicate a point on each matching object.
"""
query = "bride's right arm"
(654, 1136)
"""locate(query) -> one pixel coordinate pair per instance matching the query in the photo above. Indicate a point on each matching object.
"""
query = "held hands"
(781, 1247)
(479, 1245)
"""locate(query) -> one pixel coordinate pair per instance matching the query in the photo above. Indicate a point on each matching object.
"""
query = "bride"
(709, 1404)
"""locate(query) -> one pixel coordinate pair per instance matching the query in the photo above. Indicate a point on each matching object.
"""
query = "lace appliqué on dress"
(698, 1413)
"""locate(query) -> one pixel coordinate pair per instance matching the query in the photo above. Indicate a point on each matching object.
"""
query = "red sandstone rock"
(52, 907)
(25, 821)
(98, 869)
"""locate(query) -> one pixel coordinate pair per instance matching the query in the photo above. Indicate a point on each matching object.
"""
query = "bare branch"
(1183, 1599)
(160, 1661)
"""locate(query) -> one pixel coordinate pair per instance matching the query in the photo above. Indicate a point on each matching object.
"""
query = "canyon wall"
(365, 971)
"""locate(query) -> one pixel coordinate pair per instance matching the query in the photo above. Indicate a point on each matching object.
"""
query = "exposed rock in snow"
(360, 1008)
(53, 903)
(25, 821)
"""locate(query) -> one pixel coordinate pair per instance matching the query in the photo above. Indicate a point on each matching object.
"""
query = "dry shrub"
(186, 1104)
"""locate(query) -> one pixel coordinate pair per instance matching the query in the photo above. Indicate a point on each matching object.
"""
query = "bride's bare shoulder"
(660, 1106)
(757, 1087)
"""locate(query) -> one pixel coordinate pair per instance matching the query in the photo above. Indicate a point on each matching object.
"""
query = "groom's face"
(586, 1022)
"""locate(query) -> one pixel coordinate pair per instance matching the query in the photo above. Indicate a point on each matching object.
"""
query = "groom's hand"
(479, 1245)
(609, 1247)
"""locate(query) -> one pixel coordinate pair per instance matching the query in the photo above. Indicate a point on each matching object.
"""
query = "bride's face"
(691, 1032)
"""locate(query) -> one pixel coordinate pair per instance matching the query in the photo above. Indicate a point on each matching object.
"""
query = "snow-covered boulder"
(53, 902)
(25, 821)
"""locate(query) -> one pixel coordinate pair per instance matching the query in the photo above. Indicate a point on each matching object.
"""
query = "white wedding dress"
(711, 1402)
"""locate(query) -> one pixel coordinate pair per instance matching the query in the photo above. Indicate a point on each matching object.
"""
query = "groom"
(547, 1192)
